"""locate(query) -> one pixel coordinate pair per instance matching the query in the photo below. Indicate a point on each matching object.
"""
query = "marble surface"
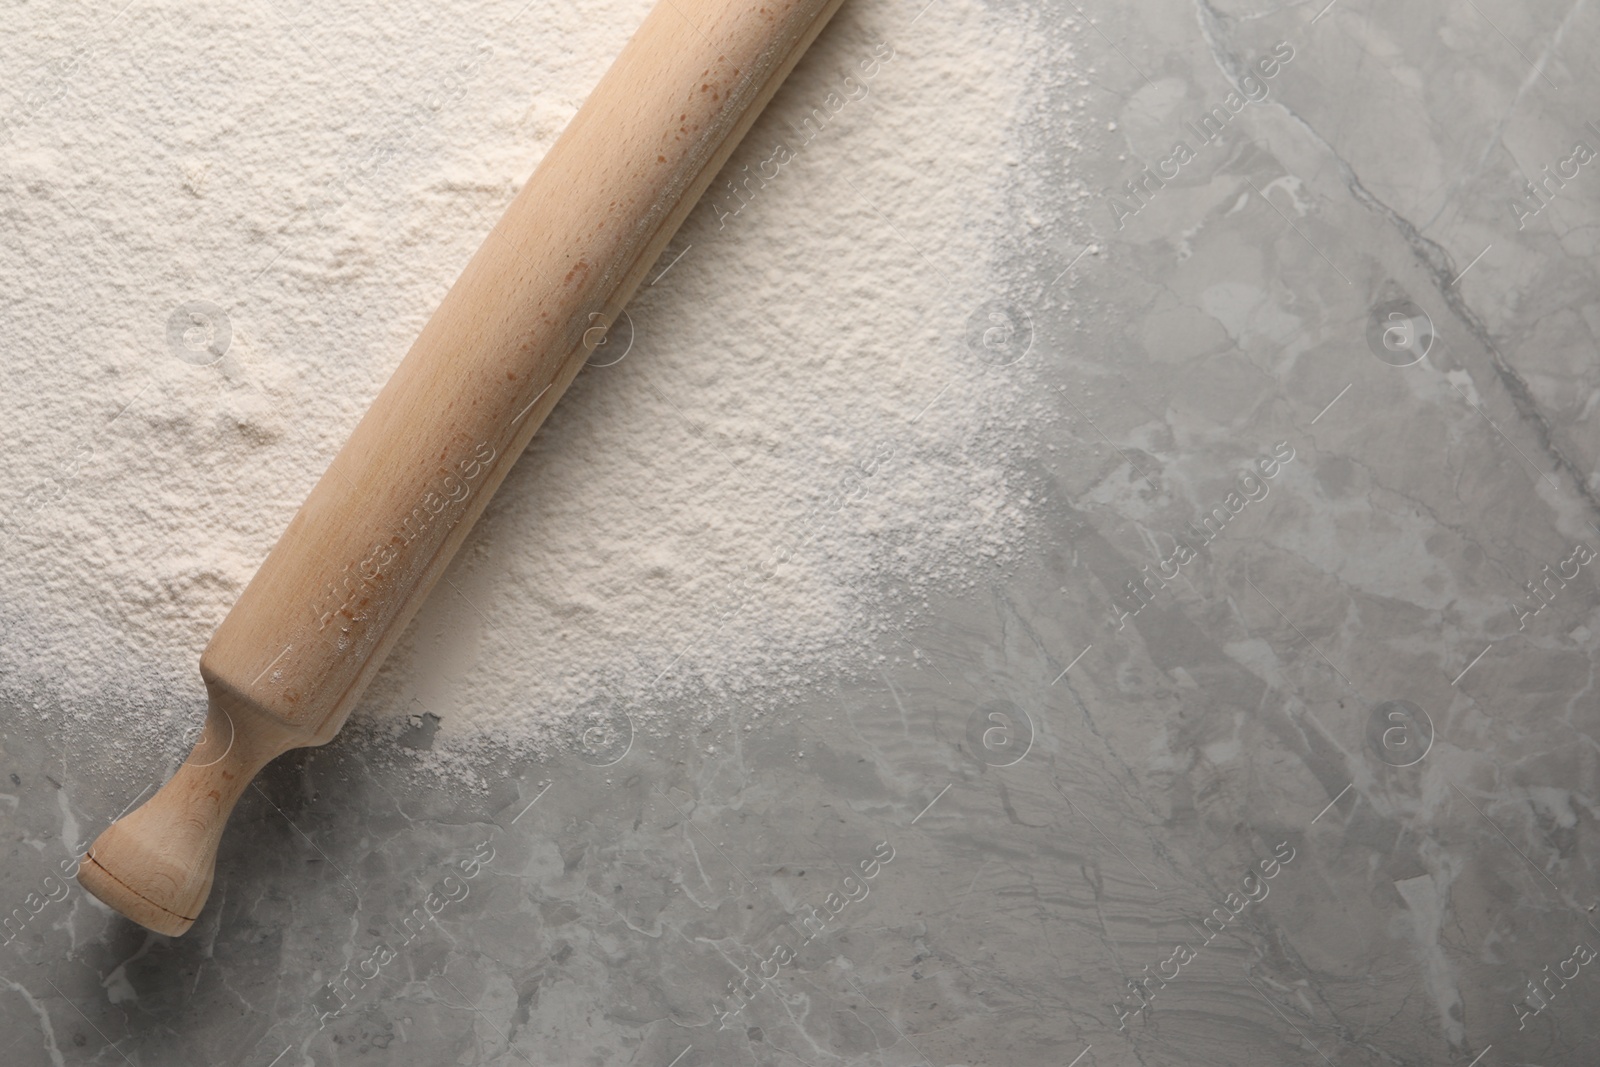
(1328, 796)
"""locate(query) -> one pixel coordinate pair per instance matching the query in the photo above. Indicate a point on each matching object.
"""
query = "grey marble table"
(1320, 786)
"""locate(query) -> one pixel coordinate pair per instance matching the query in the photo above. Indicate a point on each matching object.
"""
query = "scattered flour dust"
(804, 431)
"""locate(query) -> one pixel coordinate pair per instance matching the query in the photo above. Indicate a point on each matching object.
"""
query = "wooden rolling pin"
(293, 656)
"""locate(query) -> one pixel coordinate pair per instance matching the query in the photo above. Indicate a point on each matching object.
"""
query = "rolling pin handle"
(156, 863)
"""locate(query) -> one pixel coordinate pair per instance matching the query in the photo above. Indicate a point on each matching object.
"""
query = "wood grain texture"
(292, 658)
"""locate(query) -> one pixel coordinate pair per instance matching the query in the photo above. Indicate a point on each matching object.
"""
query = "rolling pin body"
(291, 659)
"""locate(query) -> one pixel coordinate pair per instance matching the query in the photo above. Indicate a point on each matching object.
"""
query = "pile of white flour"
(806, 428)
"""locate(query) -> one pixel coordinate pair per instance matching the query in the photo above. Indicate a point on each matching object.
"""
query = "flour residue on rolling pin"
(822, 397)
